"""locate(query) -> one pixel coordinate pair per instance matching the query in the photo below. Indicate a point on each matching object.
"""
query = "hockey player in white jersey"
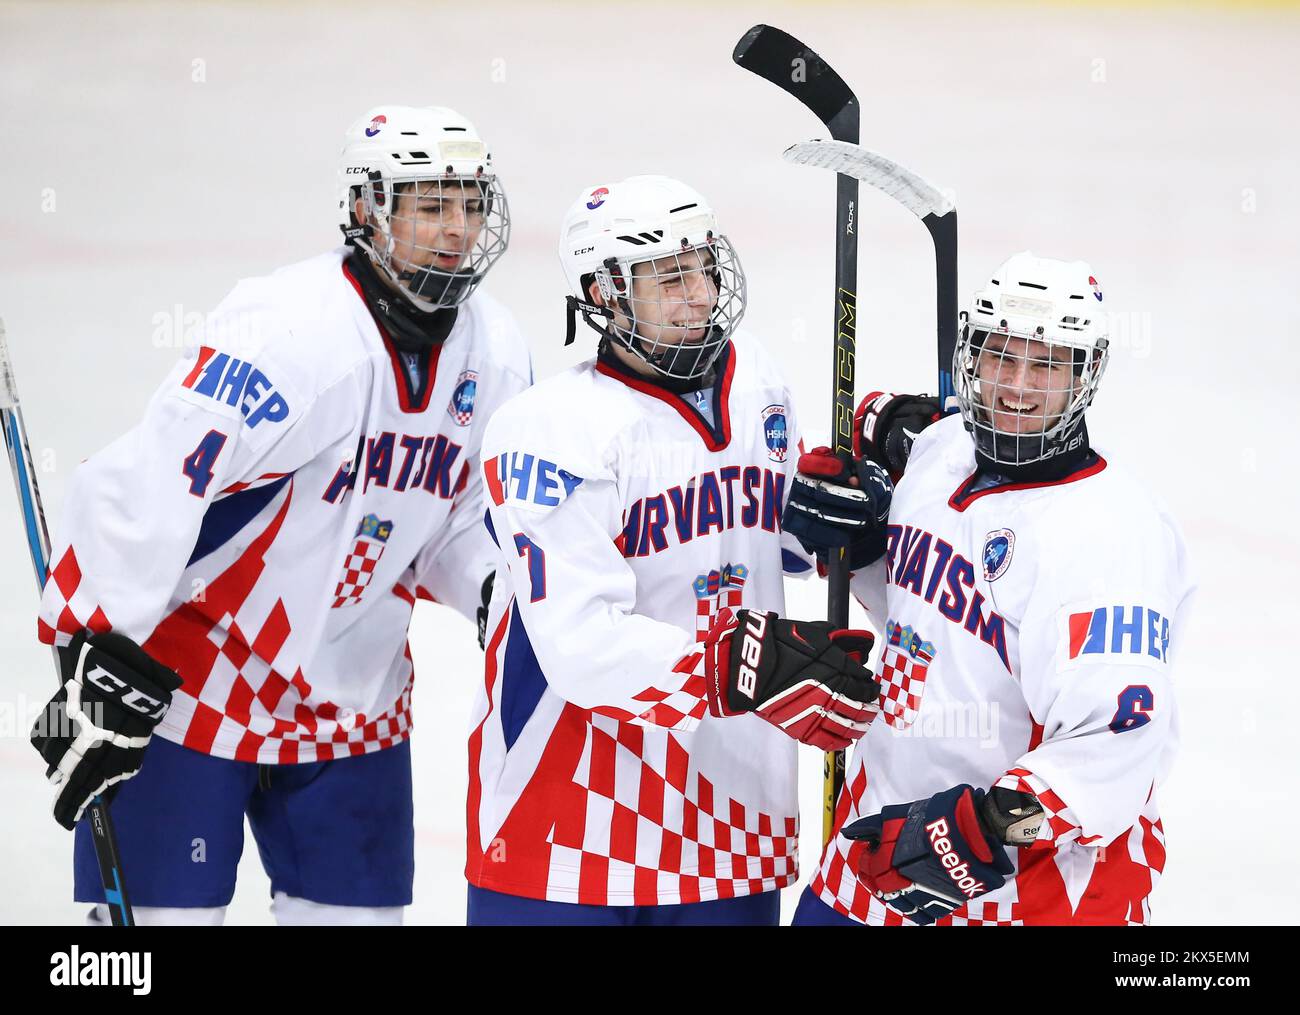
(1032, 596)
(632, 757)
(251, 552)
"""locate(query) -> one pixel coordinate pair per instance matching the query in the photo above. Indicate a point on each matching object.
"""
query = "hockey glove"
(93, 732)
(886, 425)
(927, 858)
(804, 677)
(839, 501)
(481, 614)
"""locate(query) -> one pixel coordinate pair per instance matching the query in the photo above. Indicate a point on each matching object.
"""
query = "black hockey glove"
(885, 426)
(927, 858)
(481, 613)
(93, 732)
(839, 501)
(804, 677)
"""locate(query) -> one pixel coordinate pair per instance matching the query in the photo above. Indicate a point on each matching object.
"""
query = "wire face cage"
(1023, 395)
(436, 237)
(676, 312)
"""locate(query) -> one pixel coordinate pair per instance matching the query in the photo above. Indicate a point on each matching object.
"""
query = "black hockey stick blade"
(922, 199)
(780, 58)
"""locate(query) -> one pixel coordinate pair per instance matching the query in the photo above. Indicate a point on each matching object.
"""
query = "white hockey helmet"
(1015, 397)
(660, 230)
(438, 154)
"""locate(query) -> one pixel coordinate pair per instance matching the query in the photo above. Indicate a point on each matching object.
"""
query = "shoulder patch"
(1128, 633)
(222, 378)
(527, 480)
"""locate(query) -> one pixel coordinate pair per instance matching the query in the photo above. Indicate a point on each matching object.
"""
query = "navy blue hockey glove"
(839, 501)
(927, 858)
(93, 733)
(885, 426)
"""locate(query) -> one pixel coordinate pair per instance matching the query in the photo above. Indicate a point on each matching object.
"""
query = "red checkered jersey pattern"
(266, 528)
(1029, 631)
(358, 569)
(1061, 880)
(596, 773)
(616, 813)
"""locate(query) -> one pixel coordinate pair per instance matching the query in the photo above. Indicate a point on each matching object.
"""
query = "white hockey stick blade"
(903, 185)
(8, 391)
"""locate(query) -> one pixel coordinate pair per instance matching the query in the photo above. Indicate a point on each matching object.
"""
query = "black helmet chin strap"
(575, 306)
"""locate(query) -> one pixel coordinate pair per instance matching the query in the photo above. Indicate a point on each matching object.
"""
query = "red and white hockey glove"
(805, 677)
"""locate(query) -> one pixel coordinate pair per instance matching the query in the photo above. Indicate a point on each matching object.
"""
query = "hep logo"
(376, 125)
(1119, 634)
(597, 198)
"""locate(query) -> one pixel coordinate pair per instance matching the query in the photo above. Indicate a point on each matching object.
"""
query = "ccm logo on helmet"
(751, 653)
(953, 864)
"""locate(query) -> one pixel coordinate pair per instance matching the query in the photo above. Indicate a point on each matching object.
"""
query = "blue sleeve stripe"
(792, 563)
(522, 681)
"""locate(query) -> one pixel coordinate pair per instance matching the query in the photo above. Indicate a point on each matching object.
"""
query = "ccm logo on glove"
(132, 698)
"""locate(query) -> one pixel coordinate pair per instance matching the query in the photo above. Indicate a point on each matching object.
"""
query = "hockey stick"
(38, 544)
(783, 60)
(926, 202)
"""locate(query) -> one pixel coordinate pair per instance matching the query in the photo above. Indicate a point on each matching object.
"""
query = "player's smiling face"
(434, 224)
(673, 298)
(1024, 385)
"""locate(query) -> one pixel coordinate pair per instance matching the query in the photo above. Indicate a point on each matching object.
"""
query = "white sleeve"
(1096, 648)
(133, 512)
(575, 593)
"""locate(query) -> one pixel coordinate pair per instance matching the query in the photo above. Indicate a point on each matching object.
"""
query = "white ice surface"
(1156, 145)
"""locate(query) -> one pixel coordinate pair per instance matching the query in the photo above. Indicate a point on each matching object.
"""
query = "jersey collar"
(976, 485)
(716, 436)
(409, 398)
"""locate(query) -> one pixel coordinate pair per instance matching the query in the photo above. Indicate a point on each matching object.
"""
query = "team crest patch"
(722, 587)
(1096, 289)
(998, 546)
(461, 406)
(775, 434)
(904, 663)
(376, 125)
(371, 535)
(733, 576)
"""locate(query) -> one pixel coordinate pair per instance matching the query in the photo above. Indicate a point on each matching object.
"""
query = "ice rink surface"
(154, 154)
